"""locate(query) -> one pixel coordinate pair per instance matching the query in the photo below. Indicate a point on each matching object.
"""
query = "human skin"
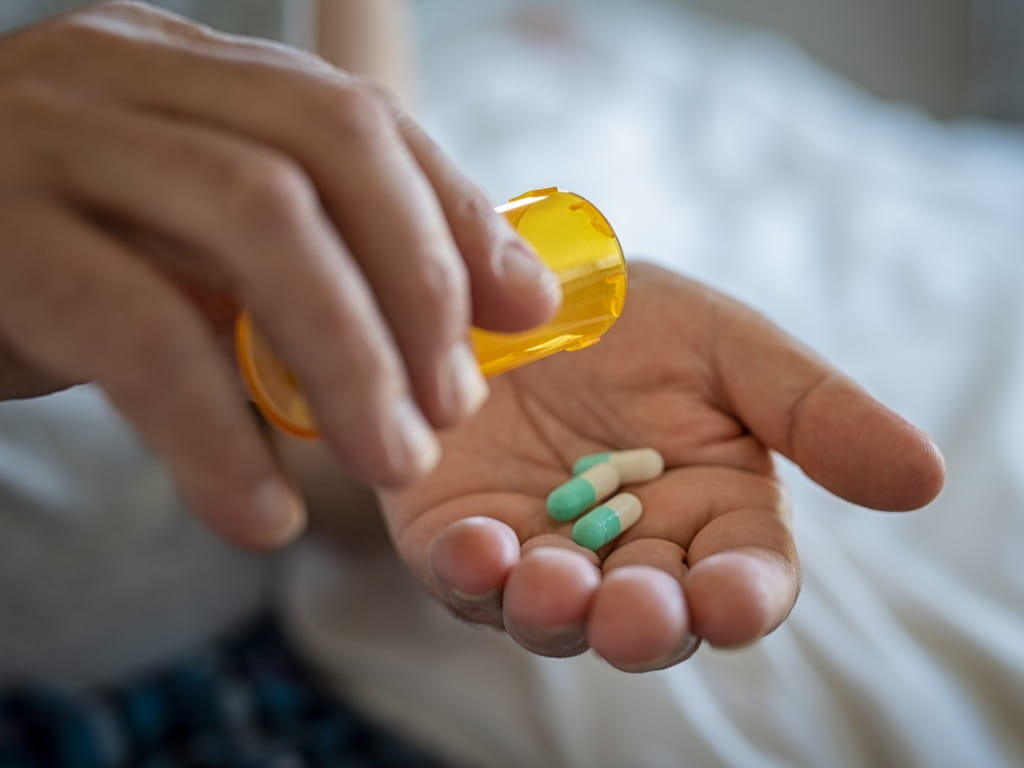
(717, 389)
(156, 177)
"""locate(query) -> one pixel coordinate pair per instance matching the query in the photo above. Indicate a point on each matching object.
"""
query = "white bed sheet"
(894, 245)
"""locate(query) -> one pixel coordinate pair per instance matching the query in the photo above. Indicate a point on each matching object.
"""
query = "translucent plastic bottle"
(574, 240)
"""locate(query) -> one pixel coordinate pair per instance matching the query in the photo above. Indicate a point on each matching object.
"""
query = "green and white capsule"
(635, 466)
(574, 497)
(606, 522)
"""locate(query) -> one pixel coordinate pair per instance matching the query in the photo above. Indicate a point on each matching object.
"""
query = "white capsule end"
(627, 507)
(638, 465)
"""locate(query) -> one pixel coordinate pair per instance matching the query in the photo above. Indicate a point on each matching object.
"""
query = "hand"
(714, 387)
(156, 176)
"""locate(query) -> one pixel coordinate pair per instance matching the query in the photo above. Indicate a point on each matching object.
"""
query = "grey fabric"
(999, 59)
(103, 571)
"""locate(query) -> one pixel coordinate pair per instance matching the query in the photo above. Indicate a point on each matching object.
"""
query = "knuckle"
(442, 293)
(367, 386)
(354, 109)
(366, 369)
(88, 33)
(120, 9)
(482, 233)
(92, 26)
(105, 27)
(119, 6)
(470, 204)
(268, 192)
(383, 97)
(146, 15)
(484, 230)
(378, 377)
(41, 48)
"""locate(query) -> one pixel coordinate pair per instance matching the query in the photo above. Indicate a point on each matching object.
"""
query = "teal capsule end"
(571, 499)
(583, 463)
(596, 528)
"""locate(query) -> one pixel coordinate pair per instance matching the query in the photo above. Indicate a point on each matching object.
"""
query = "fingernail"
(279, 512)
(670, 659)
(468, 388)
(415, 447)
(523, 270)
(557, 641)
(480, 609)
(468, 598)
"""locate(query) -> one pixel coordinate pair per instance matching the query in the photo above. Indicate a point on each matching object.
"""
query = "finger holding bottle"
(280, 186)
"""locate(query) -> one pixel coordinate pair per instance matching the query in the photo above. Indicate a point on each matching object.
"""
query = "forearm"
(369, 37)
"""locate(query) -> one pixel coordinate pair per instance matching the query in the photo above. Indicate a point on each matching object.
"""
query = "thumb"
(842, 438)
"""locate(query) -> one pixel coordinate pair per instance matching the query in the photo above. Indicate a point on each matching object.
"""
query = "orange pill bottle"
(571, 236)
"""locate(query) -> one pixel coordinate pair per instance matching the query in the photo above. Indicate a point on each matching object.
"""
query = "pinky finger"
(82, 305)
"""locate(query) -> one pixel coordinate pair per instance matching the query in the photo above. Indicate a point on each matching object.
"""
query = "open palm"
(716, 389)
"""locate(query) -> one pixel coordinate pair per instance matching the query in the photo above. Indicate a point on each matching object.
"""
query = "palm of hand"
(713, 387)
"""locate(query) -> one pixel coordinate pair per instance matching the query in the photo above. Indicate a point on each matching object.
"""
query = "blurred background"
(951, 57)
(853, 168)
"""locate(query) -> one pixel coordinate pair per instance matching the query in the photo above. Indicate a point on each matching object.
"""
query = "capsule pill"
(575, 496)
(603, 524)
(635, 466)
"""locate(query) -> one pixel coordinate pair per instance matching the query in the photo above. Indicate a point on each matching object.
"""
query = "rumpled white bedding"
(892, 244)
